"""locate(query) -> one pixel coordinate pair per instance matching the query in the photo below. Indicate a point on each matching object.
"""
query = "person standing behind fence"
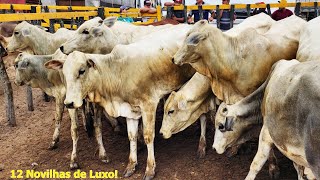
(281, 13)
(95, 3)
(225, 18)
(49, 3)
(196, 13)
(177, 15)
(260, 10)
(147, 8)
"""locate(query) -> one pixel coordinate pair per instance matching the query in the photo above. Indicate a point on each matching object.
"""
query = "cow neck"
(41, 77)
(221, 58)
(112, 42)
(110, 69)
(251, 106)
(43, 43)
(219, 64)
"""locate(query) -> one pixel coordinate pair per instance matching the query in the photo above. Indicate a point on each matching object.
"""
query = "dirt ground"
(27, 143)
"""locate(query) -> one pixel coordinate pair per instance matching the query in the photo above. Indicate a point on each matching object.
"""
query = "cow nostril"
(70, 105)
(61, 48)
(172, 60)
(161, 134)
(214, 149)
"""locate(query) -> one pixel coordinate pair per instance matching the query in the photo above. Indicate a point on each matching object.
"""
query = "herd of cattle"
(262, 74)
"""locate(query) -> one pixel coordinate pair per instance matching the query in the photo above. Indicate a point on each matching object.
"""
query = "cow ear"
(91, 63)
(97, 32)
(54, 64)
(194, 39)
(110, 21)
(25, 32)
(182, 104)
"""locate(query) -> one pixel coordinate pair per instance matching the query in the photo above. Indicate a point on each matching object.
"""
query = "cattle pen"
(24, 153)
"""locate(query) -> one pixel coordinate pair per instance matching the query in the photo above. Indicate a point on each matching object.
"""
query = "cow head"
(24, 69)
(180, 113)
(92, 37)
(193, 46)
(233, 125)
(20, 38)
(79, 71)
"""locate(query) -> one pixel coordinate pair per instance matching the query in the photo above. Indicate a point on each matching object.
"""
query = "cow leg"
(97, 127)
(113, 121)
(274, 171)
(202, 142)
(148, 119)
(58, 118)
(265, 146)
(300, 171)
(132, 128)
(75, 137)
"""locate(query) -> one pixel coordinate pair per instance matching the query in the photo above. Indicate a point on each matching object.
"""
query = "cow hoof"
(148, 177)
(74, 166)
(201, 153)
(53, 146)
(274, 171)
(129, 170)
(105, 160)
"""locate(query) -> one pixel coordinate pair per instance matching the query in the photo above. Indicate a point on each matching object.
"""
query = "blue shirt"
(225, 20)
(196, 14)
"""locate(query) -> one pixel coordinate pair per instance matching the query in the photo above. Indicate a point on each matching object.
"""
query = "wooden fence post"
(218, 19)
(7, 91)
(101, 13)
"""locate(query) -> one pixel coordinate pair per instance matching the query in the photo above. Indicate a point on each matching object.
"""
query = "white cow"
(31, 70)
(185, 106)
(103, 38)
(128, 83)
(288, 104)
(38, 40)
(309, 41)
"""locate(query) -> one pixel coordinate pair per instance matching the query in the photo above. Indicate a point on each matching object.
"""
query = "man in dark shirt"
(224, 17)
(178, 15)
(196, 14)
(281, 13)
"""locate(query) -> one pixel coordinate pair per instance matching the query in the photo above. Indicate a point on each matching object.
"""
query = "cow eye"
(81, 71)
(224, 110)
(170, 112)
(85, 32)
(221, 127)
(16, 32)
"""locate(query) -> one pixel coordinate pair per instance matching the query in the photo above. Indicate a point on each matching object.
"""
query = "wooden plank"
(40, 16)
(8, 94)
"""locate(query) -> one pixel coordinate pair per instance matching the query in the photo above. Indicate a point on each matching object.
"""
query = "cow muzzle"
(165, 134)
(69, 105)
(19, 83)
